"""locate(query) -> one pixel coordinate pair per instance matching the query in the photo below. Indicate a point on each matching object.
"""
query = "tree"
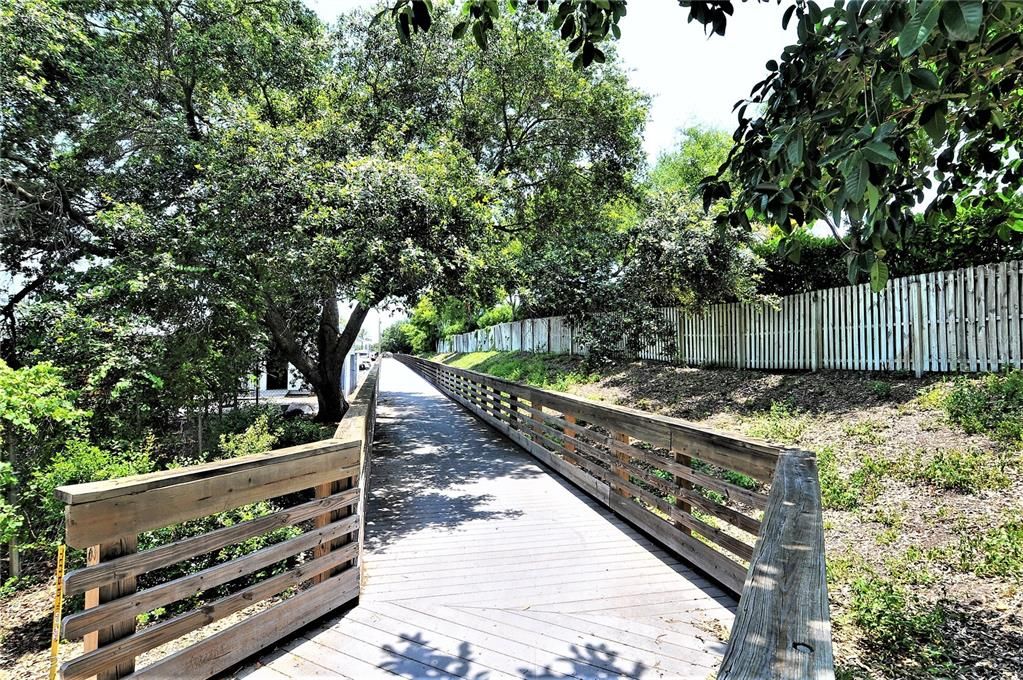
(700, 151)
(106, 105)
(874, 105)
(395, 338)
(295, 233)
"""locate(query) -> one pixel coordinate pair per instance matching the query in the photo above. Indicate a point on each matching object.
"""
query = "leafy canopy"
(878, 109)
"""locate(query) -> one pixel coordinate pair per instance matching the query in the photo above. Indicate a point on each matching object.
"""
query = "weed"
(992, 404)
(966, 471)
(841, 492)
(892, 519)
(781, 423)
(996, 552)
(887, 537)
(739, 479)
(932, 398)
(868, 480)
(894, 619)
(912, 566)
(843, 567)
(865, 431)
(837, 491)
(881, 389)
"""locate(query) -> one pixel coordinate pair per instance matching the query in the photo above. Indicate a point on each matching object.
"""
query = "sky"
(692, 79)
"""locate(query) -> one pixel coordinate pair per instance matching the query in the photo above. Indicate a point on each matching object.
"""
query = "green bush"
(77, 463)
(881, 389)
(270, 420)
(992, 405)
(502, 313)
(256, 438)
(896, 621)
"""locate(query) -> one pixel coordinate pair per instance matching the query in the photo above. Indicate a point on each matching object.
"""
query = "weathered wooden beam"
(783, 626)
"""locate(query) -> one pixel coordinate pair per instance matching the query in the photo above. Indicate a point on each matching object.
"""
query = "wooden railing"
(286, 584)
(744, 512)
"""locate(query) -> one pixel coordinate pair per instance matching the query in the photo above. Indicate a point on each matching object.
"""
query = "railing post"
(93, 598)
(569, 446)
(537, 421)
(680, 503)
(622, 459)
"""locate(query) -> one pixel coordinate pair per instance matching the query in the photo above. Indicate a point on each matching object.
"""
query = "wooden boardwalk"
(481, 564)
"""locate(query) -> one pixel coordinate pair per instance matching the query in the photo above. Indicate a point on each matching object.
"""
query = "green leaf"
(480, 34)
(919, 27)
(459, 31)
(924, 78)
(961, 20)
(857, 173)
(933, 120)
(878, 276)
(873, 196)
(794, 150)
(902, 87)
(879, 152)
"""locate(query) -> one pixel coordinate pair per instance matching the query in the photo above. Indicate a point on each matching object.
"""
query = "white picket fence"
(966, 320)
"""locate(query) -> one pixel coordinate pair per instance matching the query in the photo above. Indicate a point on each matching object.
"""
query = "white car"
(365, 360)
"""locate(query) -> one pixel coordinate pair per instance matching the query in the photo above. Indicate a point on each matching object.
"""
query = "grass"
(781, 423)
(546, 371)
(965, 471)
(995, 552)
(990, 405)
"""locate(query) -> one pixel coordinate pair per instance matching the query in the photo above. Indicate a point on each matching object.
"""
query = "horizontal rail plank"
(90, 492)
(231, 645)
(98, 521)
(87, 578)
(90, 664)
(76, 625)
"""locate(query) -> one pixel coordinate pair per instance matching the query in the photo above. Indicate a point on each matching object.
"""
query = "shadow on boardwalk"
(597, 660)
(419, 467)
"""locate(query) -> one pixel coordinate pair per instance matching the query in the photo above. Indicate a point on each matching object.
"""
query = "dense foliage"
(878, 108)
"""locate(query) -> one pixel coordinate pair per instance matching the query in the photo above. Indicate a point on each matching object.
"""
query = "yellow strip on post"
(58, 605)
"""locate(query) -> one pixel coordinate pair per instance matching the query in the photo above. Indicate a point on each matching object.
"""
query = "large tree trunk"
(332, 345)
(332, 350)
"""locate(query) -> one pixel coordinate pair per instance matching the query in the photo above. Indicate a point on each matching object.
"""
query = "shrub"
(881, 389)
(992, 405)
(502, 313)
(286, 431)
(256, 438)
(81, 462)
